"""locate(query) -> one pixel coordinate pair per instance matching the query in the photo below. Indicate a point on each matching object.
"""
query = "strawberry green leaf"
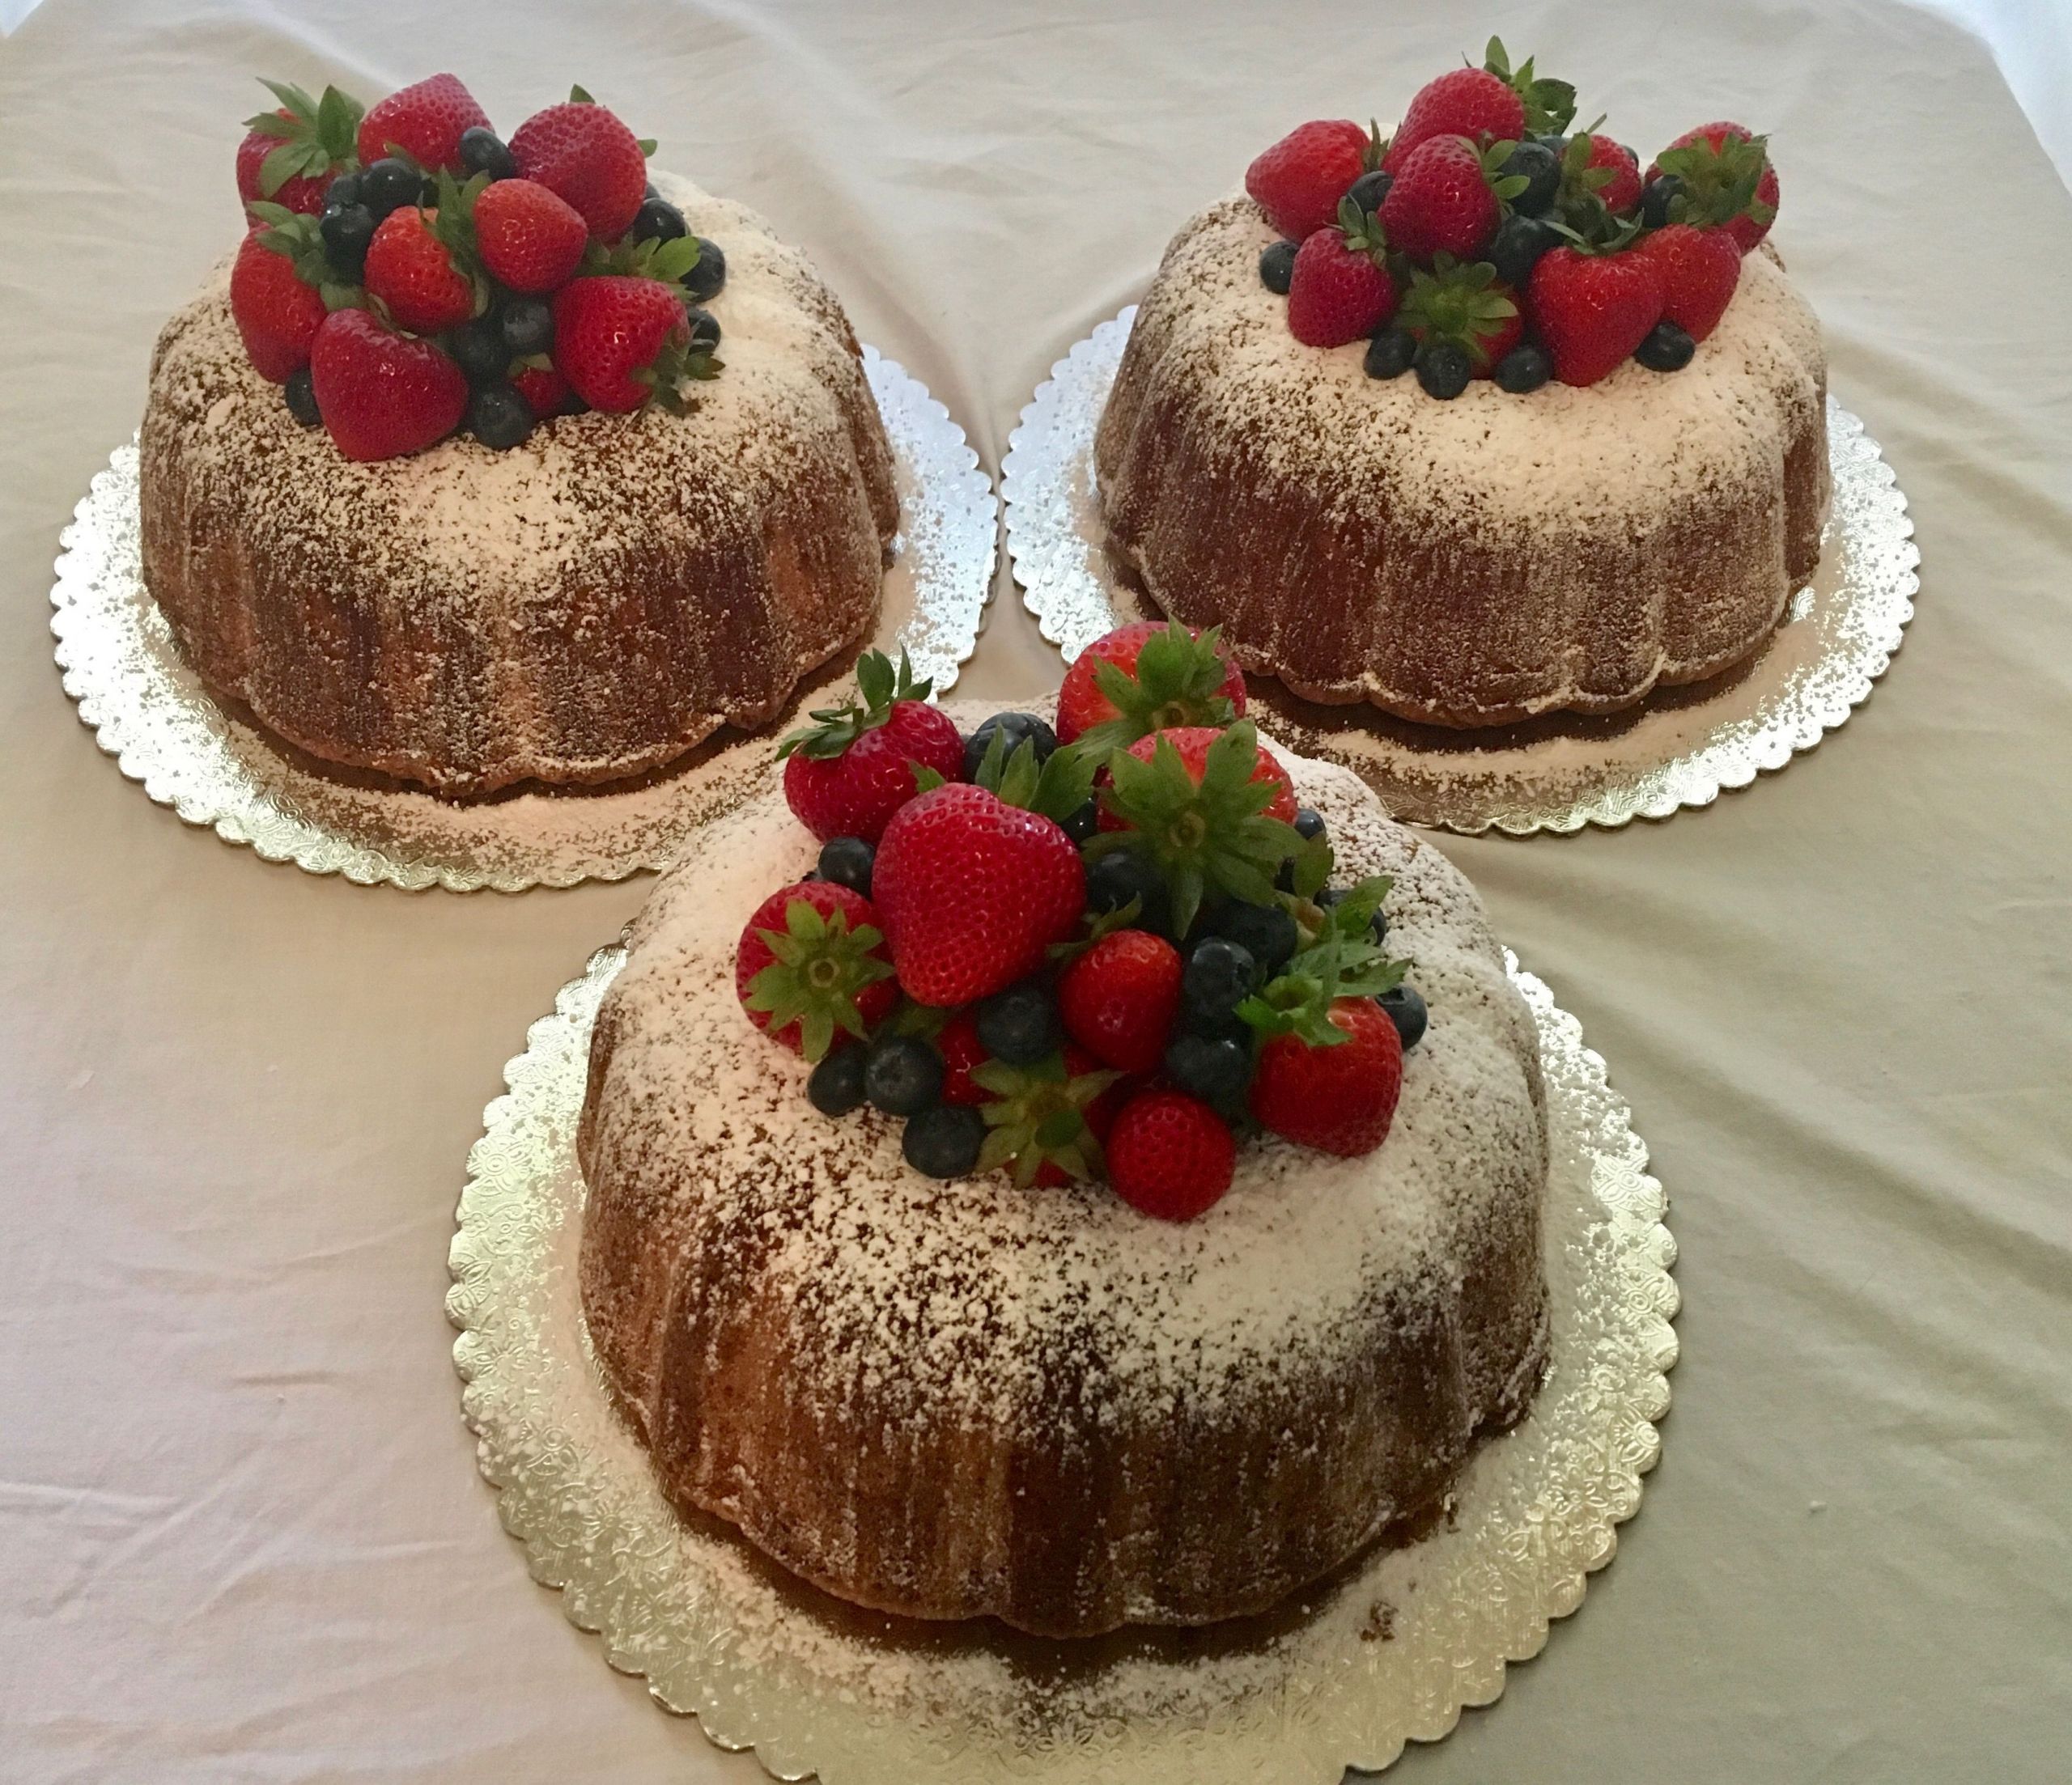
(646, 145)
(577, 96)
(821, 966)
(1036, 1115)
(880, 686)
(926, 780)
(1177, 680)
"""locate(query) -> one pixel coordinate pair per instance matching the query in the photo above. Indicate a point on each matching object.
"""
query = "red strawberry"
(1118, 999)
(1340, 290)
(584, 154)
(1592, 310)
(1463, 304)
(413, 272)
(1194, 742)
(1441, 201)
(425, 121)
(1339, 1098)
(546, 391)
(1146, 675)
(973, 892)
(290, 155)
(621, 341)
(1622, 192)
(383, 394)
(276, 313)
(1699, 270)
(530, 239)
(959, 1044)
(848, 772)
(1727, 180)
(1044, 1122)
(1299, 182)
(1469, 102)
(811, 968)
(1171, 1156)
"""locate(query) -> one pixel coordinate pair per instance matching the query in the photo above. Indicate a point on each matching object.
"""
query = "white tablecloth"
(241, 1535)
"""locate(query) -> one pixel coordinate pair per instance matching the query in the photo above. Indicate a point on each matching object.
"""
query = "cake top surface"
(977, 1294)
(459, 516)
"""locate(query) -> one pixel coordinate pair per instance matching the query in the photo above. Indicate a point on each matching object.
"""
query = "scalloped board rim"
(148, 711)
(1372, 1662)
(1675, 752)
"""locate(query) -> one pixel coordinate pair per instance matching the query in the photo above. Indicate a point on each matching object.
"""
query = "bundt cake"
(950, 1399)
(563, 598)
(1575, 499)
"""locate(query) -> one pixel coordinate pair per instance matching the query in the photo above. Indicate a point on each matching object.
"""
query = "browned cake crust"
(584, 607)
(1464, 563)
(949, 1400)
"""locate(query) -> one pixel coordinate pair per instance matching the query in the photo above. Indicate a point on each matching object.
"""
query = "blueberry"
(388, 183)
(1556, 144)
(483, 151)
(346, 232)
(944, 1142)
(704, 329)
(1114, 881)
(498, 416)
(1019, 727)
(1021, 1025)
(1309, 824)
(1217, 1070)
(1378, 928)
(703, 281)
(528, 325)
(1390, 353)
(1082, 822)
(1525, 367)
(1213, 1025)
(1443, 369)
(1655, 196)
(1406, 1010)
(478, 350)
(343, 192)
(836, 1085)
(847, 861)
(301, 393)
(658, 220)
(1516, 247)
(1267, 932)
(1369, 189)
(902, 1074)
(1220, 974)
(1541, 169)
(1277, 266)
(1667, 348)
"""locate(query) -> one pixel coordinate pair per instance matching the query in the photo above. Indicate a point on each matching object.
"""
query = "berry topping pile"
(1107, 949)
(407, 274)
(1487, 239)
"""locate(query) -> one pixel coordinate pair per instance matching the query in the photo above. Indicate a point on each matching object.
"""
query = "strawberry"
(1591, 311)
(619, 341)
(1209, 810)
(1700, 269)
(974, 891)
(1119, 997)
(1467, 102)
(546, 391)
(1465, 305)
(1170, 1155)
(413, 271)
(1445, 199)
(811, 968)
(425, 121)
(961, 1050)
(382, 394)
(1339, 1098)
(1299, 182)
(1043, 1121)
(1726, 180)
(1340, 290)
(277, 310)
(1621, 190)
(582, 153)
(291, 154)
(848, 772)
(1129, 682)
(530, 239)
